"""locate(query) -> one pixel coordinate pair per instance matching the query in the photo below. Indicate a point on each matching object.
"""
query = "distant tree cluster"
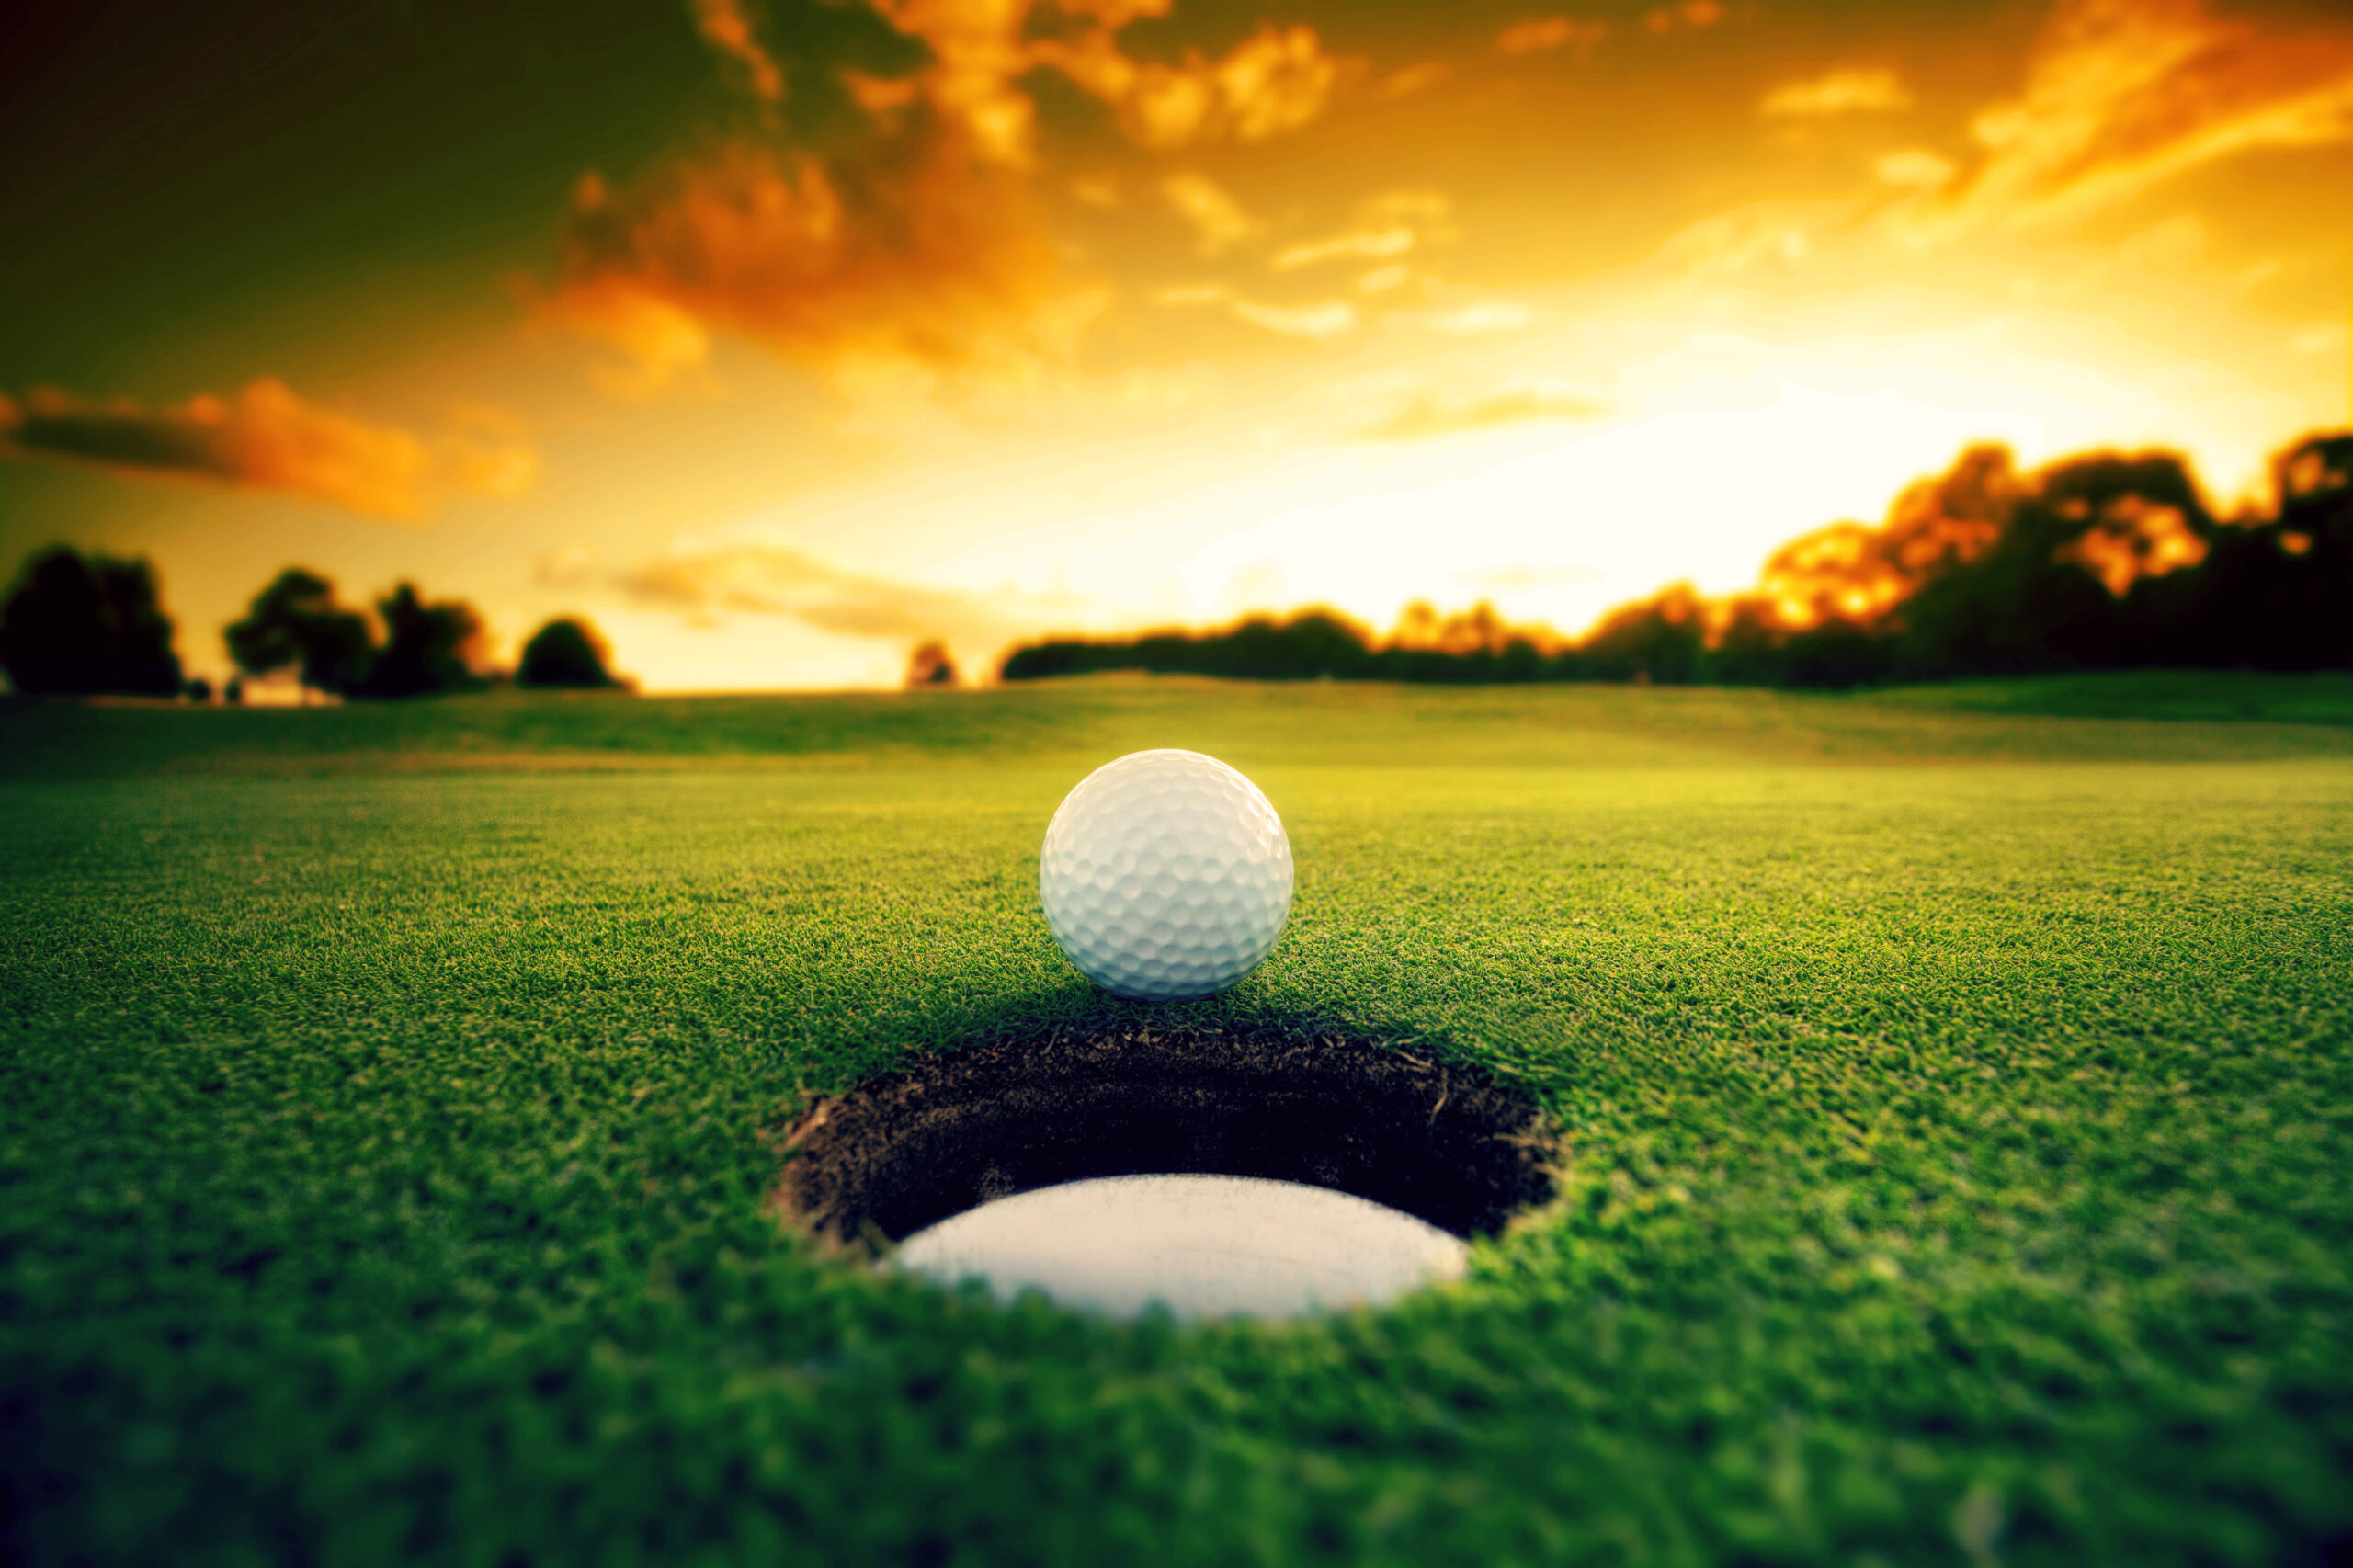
(76, 625)
(2100, 561)
(427, 649)
(1313, 645)
(931, 668)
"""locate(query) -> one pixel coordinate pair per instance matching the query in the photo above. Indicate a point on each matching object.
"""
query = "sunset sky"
(775, 337)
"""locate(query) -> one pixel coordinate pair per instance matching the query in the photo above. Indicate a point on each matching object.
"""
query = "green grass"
(1958, 1094)
(2322, 697)
(2150, 716)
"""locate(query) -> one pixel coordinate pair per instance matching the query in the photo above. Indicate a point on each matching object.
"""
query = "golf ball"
(1165, 874)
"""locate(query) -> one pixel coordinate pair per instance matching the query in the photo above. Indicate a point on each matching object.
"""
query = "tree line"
(81, 625)
(2097, 562)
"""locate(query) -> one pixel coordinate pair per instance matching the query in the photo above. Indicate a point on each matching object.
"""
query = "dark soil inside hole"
(1443, 1141)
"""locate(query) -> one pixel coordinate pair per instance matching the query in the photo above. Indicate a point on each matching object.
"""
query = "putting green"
(1958, 1095)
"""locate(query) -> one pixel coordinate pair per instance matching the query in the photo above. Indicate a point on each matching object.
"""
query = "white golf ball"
(1165, 874)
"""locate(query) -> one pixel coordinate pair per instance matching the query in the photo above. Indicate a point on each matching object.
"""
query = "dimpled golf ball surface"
(1165, 874)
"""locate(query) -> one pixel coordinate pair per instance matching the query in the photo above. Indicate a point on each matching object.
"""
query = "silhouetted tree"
(931, 665)
(78, 626)
(427, 649)
(296, 621)
(2278, 594)
(566, 654)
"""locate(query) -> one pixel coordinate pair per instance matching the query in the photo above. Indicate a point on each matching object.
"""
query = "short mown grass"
(1957, 1087)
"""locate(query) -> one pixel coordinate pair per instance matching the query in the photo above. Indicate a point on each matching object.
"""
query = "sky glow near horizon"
(910, 322)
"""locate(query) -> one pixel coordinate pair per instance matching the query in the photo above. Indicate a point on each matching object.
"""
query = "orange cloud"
(1541, 33)
(2122, 94)
(1853, 91)
(1218, 220)
(269, 438)
(1276, 80)
(978, 52)
(1693, 14)
(1405, 81)
(924, 252)
(723, 24)
(929, 250)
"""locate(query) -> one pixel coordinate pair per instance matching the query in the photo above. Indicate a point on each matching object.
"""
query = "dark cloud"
(269, 438)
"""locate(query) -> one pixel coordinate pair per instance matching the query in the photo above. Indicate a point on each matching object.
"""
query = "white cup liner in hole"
(1204, 1246)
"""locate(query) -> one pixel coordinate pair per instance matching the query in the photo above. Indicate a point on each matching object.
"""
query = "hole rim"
(1402, 1124)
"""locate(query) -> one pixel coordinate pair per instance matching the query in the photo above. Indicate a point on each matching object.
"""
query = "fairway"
(1956, 1087)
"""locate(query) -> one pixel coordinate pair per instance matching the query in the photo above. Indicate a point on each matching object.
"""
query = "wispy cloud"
(1915, 168)
(1854, 90)
(2321, 337)
(1193, 294)
(269, 438)
(1320, 320)
(1510, 579)
(766, 579)
(2116, 96)
(1405, 81)
(1482, 318)
(567, 568)
(1539, 34)
(1432, 414)
(1377, 244)
(1762, 234)
(725, 27)
(2122, 94)
(1218, 220)
(1323, 321)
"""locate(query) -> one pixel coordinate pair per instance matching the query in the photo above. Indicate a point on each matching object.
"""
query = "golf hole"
(1218, 1172)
